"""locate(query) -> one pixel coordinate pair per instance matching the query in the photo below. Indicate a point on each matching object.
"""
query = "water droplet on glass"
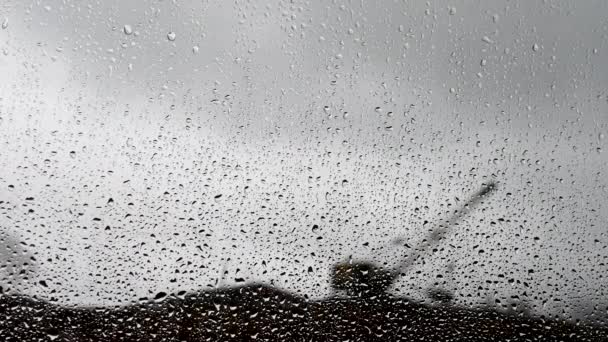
(195, 49)
(601, 136)
(487, 39)
(160, 296)
(171, 36)
(73, 154)
(535, 47)
(4, 23)
(315, 228)
(127, 29)
(452, 10)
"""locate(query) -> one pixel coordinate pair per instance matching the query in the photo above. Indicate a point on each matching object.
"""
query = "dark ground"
(262, 313)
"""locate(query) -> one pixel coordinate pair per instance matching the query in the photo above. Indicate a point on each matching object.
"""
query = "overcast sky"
(161, 142)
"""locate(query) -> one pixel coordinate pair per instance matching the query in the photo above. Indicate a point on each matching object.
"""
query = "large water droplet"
(127, 29)
(160, 296)
(195, 49)
(171, 36)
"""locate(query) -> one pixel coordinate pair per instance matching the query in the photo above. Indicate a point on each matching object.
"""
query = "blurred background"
(161, 145)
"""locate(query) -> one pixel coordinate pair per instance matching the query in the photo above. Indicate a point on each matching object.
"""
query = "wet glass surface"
(303, 171)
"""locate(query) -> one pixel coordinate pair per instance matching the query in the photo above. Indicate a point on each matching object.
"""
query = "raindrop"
(5, 23)
(535, 47)
(160, 296)
(195, 49)
(315, 228)
(487, 39)
(73, 154)
(171, 36)
(127, 29)
(452, 10)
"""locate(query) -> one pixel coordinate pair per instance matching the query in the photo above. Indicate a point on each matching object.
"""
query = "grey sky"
(273, 106)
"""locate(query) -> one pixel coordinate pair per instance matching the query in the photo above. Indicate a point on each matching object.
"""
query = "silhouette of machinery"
(365, 279)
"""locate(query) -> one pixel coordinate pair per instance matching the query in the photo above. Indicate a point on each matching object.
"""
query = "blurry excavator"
(259, 312)
(366, 279)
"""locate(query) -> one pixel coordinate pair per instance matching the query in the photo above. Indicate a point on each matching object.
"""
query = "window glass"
(303, 170)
